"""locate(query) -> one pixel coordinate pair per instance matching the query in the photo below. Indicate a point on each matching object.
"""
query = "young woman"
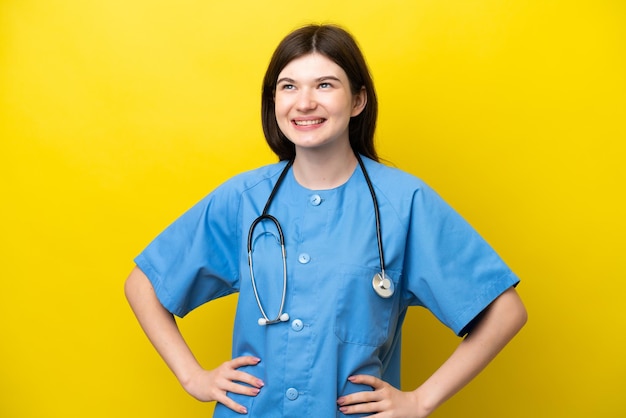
(327, 249)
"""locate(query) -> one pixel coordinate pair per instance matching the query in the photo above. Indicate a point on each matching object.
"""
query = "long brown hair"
(340, 47)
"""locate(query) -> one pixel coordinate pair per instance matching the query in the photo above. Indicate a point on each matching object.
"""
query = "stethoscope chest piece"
(382, 285)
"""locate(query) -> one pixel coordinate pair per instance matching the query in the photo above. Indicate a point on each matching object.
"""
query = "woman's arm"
(498, 325)
(501, 321)
(162, 331)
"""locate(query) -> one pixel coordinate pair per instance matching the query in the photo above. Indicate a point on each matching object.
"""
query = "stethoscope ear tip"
(284, 317)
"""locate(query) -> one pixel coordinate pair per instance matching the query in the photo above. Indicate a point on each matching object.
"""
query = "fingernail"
(260, 383)
(351, 378)
(243, 410)
(340, 401)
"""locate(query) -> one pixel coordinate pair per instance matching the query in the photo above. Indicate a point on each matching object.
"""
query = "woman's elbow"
(511, 309)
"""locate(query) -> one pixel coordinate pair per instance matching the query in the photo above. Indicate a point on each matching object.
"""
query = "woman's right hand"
(160, 327)
(213, 385)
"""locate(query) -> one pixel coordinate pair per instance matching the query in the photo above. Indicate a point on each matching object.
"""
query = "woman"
(318, 323)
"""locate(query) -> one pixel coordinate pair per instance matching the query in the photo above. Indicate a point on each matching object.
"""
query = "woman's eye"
(287, 87)
(325, 85)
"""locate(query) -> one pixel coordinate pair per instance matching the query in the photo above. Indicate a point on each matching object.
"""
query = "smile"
(308, 122)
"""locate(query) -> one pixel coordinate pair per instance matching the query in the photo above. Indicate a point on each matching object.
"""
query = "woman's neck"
(323, 171)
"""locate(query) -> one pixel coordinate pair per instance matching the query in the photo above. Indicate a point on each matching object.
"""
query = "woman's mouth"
(308, 122)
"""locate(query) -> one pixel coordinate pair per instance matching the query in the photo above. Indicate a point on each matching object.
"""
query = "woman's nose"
(306, 100)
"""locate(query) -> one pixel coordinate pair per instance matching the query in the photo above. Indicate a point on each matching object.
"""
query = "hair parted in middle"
(340, 47)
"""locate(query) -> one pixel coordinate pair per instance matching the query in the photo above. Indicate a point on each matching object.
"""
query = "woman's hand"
(160, 327)
(498, 324)
(212, 385)
(385, 401)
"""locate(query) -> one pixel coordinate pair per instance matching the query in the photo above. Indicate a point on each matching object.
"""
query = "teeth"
(308, 122)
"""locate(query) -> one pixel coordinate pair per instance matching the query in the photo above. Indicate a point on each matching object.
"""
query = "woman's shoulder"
(231, 191)
(247, 180)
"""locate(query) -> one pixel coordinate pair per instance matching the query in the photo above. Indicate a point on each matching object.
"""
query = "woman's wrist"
(424, 402)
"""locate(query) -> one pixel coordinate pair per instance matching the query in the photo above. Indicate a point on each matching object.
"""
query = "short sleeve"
(195, 259)
(449, 268)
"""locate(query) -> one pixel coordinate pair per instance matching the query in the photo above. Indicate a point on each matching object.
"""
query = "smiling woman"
(351, 323)
(347, 61)
(314, 105)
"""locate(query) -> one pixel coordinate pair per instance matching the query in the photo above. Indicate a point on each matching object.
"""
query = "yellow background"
(117, 115)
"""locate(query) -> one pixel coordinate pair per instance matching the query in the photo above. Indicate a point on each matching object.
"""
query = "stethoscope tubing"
(280, 316)
(384, 291)
(379, 237)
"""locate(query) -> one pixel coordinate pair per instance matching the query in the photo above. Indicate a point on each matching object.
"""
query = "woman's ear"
(358, 102)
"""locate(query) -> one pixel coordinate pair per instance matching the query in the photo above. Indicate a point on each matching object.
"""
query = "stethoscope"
(382, 285)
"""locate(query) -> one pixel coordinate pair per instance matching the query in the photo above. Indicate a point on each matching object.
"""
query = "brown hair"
(339, 46)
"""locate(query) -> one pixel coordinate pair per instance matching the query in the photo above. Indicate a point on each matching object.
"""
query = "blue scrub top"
(338, 325)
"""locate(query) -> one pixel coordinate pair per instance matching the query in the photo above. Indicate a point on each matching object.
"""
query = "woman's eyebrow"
(317, 80)
(328, 77)
(285, 80)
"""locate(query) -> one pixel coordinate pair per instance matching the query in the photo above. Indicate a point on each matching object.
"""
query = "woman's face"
(314, 103)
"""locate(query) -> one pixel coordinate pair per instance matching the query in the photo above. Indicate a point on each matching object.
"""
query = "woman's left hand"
(385, 401)
(499, 323)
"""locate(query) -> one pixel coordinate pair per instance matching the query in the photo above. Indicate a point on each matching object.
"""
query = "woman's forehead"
(311, 67)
